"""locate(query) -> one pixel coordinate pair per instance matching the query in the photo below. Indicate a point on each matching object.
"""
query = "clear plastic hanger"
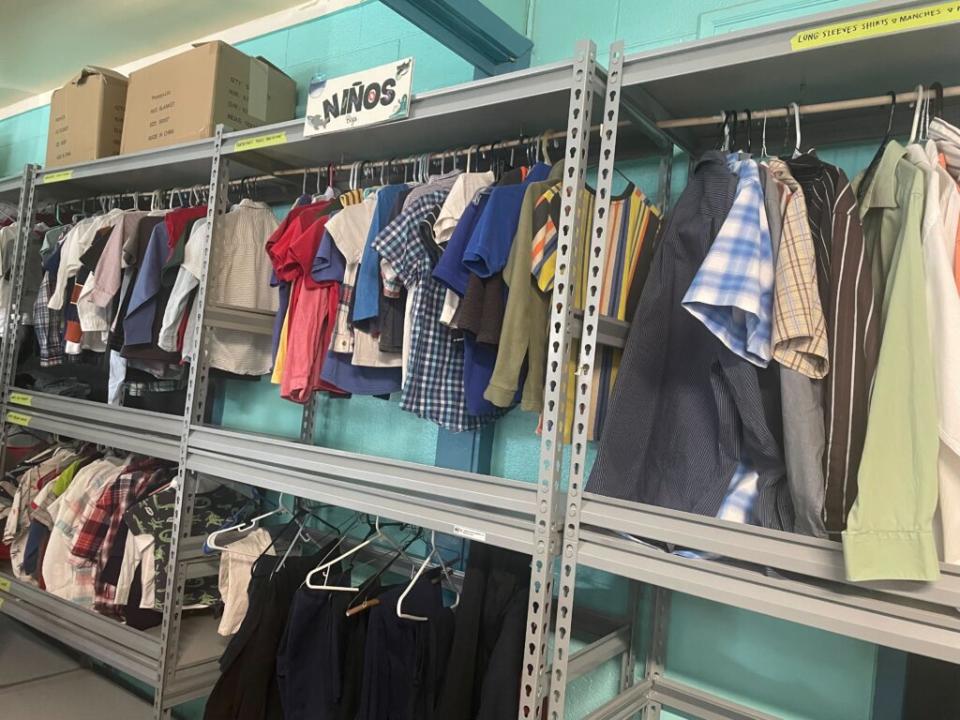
(434, 553)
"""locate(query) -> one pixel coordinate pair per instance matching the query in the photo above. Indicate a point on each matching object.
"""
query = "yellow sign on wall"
(875, 25)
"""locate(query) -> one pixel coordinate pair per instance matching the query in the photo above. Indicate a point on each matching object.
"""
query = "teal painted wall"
(782, 668)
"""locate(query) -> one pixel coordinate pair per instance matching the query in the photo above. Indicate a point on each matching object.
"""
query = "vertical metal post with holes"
(596, 250)
(657, 646)
(666, 180)
(11, 325)
(193, 413)
(628, 661)
(549, 496)
(308, 422)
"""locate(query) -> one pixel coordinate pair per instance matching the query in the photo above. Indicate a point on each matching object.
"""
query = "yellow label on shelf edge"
(261, 141)
(5, 584)
(15, 418)
(21, 399)
(875, 25)
(57, 176)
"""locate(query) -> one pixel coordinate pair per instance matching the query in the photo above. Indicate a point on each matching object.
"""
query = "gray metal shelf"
(10, 187)
(182, 165)
(758, 68)
(484, 111)
(132, 651)
(496, 511)
(139, 431)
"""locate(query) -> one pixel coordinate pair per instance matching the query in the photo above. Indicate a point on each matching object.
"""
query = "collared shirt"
(76, 243)
(847, 297)
(685, 410)
(65, 575)
(238, 276)
(941, 217)
(799, 327)
(367, 296)
(138, 322)
(889, 533)
(433, 387)
(732, 293)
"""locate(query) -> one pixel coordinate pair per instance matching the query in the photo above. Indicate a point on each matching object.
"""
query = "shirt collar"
(882, 189)
(253, 204)
(711, 157)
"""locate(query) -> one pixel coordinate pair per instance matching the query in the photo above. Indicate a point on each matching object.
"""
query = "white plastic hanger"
(325, 566)
(245, 526)
(915, 127)
(423, 567)
(796, 122)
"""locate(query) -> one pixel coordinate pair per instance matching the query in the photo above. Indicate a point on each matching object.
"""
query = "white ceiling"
(45, 42)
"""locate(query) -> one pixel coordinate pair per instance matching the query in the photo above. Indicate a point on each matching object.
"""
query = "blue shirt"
(329, 263)
(138, 323)
(366, 289)
(492, 237)
(449, 270)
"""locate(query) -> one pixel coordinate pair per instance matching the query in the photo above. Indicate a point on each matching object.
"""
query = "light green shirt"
(889, 533)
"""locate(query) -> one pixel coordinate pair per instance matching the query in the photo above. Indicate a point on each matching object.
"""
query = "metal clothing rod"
(814, 109)
(467, 151)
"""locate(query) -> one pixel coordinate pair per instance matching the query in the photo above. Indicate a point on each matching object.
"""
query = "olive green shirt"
(889, 533)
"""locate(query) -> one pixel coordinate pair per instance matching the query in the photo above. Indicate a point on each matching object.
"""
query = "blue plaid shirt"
(433, 385)
(732, 292)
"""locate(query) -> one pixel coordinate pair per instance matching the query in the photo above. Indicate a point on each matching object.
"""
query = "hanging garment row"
(93, 527)
(318, 635)
(790, 363)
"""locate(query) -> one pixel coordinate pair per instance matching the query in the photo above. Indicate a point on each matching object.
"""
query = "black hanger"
(872, 167)
(786, 132)
(938, 99)
(749, 128)
(361, 600)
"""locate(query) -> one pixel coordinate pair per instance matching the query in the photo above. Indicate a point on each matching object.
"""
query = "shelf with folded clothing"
(770, 66)
(132, 651)
(139, 431)
(184, 165)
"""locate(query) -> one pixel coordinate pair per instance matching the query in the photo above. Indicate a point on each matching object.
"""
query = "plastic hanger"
(871, 168)
(917, 111)
(375, 534)
(796, 121)
(423, 567)
(245, 526)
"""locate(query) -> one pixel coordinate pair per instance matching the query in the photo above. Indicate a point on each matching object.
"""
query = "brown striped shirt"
(847, 296)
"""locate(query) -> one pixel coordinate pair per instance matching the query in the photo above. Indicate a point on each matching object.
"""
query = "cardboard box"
(185, 97)
(86, 117)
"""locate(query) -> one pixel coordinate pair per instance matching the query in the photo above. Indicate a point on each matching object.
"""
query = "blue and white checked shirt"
(433, 384)
(732, 292)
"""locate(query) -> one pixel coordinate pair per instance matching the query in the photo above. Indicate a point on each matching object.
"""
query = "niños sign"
(364, 98)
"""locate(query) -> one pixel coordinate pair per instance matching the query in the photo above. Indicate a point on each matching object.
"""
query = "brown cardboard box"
(86, 117)
(185, 97)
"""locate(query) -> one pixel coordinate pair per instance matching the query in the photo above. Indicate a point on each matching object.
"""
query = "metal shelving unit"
(541, 519)
(793, 577)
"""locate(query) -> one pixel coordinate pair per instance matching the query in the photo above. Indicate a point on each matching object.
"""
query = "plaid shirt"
(732, 293)
(799, 325)
(48, 327)
(433, 387)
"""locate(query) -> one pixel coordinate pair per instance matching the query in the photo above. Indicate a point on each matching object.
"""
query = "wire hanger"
(426, 561)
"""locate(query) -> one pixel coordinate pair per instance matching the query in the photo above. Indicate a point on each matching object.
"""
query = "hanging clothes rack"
(812, 109)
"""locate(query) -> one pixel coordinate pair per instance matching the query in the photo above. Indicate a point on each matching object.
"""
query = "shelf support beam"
(194, 413)
(471, 30)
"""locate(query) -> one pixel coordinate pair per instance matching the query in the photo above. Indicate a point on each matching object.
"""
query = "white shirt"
(236, 564)
(941, 214)
(75, 244)
(238, 276)
(349, 229)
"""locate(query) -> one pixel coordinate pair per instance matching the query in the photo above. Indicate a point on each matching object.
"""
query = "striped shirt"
(847, 297)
